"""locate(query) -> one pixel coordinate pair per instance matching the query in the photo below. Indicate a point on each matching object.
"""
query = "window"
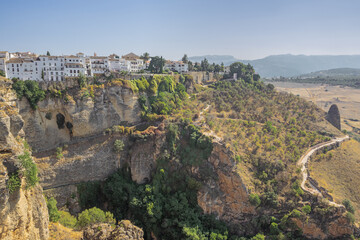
(70, 71)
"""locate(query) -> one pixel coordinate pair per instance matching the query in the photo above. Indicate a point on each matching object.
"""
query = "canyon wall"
(23, 213)
(59, 120)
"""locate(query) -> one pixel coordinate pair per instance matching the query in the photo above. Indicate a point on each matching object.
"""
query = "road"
(303, 163)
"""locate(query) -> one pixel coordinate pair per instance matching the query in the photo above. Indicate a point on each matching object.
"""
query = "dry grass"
(338, 172)
(59, 232)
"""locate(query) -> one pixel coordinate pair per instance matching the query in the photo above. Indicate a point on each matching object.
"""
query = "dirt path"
(209, 132)
(303, 163)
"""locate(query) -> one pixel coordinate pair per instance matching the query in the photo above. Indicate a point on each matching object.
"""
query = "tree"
(145, 56)
(190, 66)
(118, 145)
(185, 59)
(157, 64)
(243, 71)
(204, 65)
(2, 73)
(254, 199)
(48, 53)
(54, 214)
(94, 215)
(29, 89)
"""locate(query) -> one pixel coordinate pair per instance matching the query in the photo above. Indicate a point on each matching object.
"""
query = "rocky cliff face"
(59, 120)
(125, 230)
(333, 116)
(23, 213)
(227, 197)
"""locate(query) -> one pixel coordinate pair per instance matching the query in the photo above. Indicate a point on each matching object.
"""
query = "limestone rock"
(226, 197)
(125, 230)
(23, 213)
(333, 116)
(79, 116)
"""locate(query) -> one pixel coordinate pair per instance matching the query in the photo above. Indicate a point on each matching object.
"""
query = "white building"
(117, 64)
(177, 66)
(99, 65)
(136, 63)
(51, 68)
(4, 56)
(75, 66)
(22, 68)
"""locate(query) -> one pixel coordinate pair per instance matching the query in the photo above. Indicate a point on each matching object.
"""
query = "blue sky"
(245, 29)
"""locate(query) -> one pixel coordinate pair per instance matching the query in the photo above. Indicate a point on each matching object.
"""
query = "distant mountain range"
(288, 65)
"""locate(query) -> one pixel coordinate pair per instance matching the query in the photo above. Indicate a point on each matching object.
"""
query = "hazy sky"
(245, 29)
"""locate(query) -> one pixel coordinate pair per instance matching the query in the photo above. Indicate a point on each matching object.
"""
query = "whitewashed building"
(4, 56)
(178, 66)
(136, 63)
(99, 65)
(75, 66)
(22, 68)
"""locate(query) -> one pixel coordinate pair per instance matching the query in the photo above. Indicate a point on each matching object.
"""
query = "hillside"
(177, 159)
(288, 65)
(338, 171)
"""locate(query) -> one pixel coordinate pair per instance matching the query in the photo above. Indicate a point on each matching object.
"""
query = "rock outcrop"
(227, 196)
(23, 213)
(125, 230)
(58, 120)
(333, 116)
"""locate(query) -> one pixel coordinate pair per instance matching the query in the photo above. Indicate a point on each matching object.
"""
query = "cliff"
(23, 213)
(78, 113)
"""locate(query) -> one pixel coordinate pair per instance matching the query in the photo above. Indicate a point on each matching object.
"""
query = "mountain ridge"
(288, 65)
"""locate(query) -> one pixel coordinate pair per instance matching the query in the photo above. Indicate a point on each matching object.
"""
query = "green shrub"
(349, 207)
(350, 217)
(306, 209)
(54, 214)
(118, 145)
(67, 220)
(94, 215)
(258, 236)
(2, 73)
(14, 182)
(59, 154)
(30, 169)
(29, 89)
(254, 199)
(274, 228)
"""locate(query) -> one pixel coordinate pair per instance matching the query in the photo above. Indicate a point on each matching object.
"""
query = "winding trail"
(209, 132)
(303, 163)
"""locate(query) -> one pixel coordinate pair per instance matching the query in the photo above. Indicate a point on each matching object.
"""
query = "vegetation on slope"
(338, 171)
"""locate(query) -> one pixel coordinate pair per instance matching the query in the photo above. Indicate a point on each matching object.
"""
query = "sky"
(170, 28)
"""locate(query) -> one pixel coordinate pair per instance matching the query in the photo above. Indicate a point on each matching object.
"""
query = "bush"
(29, 89)
(254, 199)
(118, 145)
(30, 169)
(14, 182)
(349, 207)
(94, 215)
(258, 236)
(54, 214)
(350, 217)
(274, 228)
(67, 220)
(306, 209)
(59, 154)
